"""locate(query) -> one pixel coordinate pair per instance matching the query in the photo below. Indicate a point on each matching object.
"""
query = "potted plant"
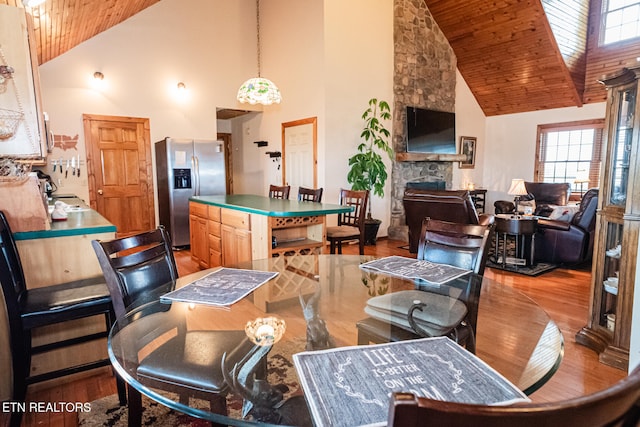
(368, 171)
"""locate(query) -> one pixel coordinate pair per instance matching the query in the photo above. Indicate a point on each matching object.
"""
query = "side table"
(522, 228)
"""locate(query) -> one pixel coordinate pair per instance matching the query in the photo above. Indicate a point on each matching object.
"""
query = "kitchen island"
(233, 230)
(60, 254)
(229, 229)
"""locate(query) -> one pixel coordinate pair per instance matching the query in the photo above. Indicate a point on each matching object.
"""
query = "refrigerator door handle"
(197, 174)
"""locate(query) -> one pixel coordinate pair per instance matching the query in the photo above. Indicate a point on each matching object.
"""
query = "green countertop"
(81, 220)
(262, 205)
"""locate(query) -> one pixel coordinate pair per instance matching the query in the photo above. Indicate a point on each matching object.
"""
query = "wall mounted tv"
(430, 131)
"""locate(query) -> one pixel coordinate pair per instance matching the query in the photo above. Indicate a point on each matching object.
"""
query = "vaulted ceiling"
(507, 51)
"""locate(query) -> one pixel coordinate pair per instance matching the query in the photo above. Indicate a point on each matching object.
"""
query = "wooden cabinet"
(198, 234)
(21, 118)
(236, 237)
(618, 223)
(219, 237)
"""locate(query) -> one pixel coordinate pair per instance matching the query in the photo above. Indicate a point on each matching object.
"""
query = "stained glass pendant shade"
(258, 90)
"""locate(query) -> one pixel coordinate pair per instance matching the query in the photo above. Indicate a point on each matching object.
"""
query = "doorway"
(120, 171)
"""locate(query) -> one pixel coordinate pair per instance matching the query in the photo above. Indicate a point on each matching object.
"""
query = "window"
(570, 152)
(620, 20)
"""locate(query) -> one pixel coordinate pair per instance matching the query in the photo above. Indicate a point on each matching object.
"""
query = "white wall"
(209, 46)
(358, 66)
(470, 121)
(511, 144)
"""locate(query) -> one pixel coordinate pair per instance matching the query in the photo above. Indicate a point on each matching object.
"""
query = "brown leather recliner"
(570, 242)
(444, 205)
(545, 194)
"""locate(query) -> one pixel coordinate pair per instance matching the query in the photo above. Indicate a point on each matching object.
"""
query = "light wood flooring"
(563, 293)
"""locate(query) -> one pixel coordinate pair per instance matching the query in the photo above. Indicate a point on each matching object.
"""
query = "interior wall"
(210, 46)
(511, 145)
(358, 66)
(470, 121)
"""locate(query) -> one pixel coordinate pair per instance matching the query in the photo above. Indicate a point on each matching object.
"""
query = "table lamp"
(517, 189)
(582, 176)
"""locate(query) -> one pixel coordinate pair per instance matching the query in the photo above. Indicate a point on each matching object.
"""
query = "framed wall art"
(468, 148)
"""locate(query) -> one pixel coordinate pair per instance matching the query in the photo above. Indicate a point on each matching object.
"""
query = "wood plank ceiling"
(508, 55)
(60, 25)
(505, 49)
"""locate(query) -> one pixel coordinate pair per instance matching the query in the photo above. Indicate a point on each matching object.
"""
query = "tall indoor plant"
(367, 168)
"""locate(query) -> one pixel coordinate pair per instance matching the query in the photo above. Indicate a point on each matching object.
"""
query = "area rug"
(106, 412)
(535, 270)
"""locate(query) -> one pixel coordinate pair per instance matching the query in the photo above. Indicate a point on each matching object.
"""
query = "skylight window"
(620, 20)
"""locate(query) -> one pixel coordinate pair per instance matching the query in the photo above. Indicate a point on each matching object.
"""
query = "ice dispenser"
(182, 178)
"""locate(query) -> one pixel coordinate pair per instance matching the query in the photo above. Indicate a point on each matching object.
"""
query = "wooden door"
(119, 168)
(228, 160)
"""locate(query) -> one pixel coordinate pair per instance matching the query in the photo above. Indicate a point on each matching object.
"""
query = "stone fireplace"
(424, 76)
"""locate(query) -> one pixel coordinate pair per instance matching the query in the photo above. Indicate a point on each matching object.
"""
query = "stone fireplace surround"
(424, 76)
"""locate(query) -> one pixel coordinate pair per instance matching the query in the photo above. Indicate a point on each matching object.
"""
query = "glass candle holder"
(265, 330)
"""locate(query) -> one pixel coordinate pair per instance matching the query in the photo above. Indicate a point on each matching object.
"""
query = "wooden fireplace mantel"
(429, 157)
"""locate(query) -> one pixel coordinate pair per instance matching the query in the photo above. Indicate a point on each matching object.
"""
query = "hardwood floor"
(563, 293)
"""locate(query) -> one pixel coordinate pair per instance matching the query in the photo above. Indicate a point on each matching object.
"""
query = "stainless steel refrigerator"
(185, 168)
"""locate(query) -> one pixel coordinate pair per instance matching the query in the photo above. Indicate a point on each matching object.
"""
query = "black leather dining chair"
(309, 194)
(30, 309)
(617, 405)
(460, 245)
(138, 264)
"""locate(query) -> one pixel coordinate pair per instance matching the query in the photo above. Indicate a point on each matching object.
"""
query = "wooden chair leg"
(218, 404)
(121, 385)
(135, 407)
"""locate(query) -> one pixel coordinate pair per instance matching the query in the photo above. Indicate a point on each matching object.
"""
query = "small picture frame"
(468, 148)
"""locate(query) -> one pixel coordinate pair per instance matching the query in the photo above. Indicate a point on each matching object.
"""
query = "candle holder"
(265, 330)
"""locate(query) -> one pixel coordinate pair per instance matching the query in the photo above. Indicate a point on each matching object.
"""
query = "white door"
(299, 154)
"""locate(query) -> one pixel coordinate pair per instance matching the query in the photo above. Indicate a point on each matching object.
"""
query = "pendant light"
(259, 90)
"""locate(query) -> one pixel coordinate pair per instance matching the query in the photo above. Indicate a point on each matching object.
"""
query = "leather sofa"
(445, 205)
(562, 242)
(546, 195)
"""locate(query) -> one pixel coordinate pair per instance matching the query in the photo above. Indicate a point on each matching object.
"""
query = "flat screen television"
(430, 131)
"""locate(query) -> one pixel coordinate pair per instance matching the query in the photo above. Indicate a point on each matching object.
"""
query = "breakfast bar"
(61, 253)
(229, 229)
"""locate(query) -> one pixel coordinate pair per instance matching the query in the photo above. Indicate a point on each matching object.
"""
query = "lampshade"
(517, 187)
(582, 176)
(258, 90)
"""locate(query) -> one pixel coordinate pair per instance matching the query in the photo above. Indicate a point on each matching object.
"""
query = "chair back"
(279, 191)
(13, 282)
(446, 205)
(461, 245)
(309, 194)
(359, 199)
(135, 264)
(617, 405)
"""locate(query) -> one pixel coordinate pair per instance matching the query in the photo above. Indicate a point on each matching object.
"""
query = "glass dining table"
(317, 301)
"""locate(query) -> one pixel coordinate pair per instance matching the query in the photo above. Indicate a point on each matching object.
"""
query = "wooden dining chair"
(309, 194)
(137, 264)
(615, 406)
(279, 191)
(460, 245)
(30, 309)
(350, 224)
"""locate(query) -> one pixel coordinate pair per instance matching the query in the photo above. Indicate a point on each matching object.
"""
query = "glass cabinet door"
(621, 138)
